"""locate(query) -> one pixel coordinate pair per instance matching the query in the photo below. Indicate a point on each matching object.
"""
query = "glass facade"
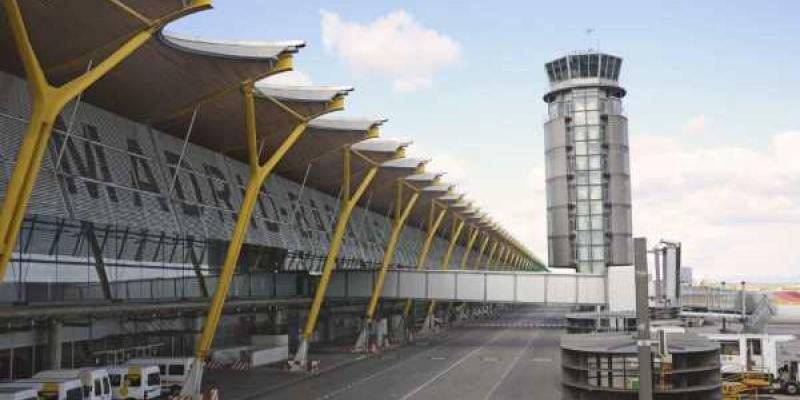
(585, 110)
(587, 172)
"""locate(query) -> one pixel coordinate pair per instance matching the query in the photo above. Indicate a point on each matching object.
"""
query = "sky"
(713, 99)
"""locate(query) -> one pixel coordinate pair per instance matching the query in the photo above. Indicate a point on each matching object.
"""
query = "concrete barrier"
(258, 357)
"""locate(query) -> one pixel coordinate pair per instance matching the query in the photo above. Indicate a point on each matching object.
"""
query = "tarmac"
(505, 358)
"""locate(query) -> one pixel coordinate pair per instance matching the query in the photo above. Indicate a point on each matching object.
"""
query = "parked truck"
(759, 359)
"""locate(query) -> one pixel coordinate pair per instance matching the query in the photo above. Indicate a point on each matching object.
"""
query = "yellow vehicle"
(173, 371)
(139, 382)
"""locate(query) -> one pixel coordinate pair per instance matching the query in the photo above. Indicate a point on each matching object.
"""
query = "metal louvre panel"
(558, 221)
(619, 187)
(621, 219)
(555, 134)
(276, 188)
(367, 233)
(557, 192)
(118, 173)
(402, 255)
(617, 130)
(38, 240)
(455, 258)
(560, 251)
(184, 200)
(408, 247)
(436, 255)
(223, 196)
(237, 174)
(556, 162)
(14, 96)
(618, 160)
(621, 250)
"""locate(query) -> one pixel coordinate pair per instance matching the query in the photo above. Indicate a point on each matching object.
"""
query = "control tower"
(587, 163)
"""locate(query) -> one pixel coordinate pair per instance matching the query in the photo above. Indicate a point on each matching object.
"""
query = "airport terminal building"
(147, 156)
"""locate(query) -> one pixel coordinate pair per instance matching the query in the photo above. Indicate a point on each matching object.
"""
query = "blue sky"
(710, 80)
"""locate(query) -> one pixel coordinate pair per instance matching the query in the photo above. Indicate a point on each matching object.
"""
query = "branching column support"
(482, 250)
(474, 231)
(47, 102)
(455, 232)
(259, 172)
(349, 201)
(401, 213)
(434, 221)
(491, 259)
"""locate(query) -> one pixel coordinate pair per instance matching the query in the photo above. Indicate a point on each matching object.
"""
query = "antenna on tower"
(589, 37)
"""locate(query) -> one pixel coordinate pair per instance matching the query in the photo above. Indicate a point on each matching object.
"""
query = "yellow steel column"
(258, 174)
(482, 251)
(490, 259)
(471, 242)
(48, 100)
(433, 226)
(401, 214)
(506, 255)
(502, 256)
(349, 202)
(455, 232)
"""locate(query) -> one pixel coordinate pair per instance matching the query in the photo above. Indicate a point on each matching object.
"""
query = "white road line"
(445, 341)
(450, 368)
(510, 367)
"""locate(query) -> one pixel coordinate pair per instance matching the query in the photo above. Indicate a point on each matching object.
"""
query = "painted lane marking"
(510, 367)
(451, 367)
(351, 385)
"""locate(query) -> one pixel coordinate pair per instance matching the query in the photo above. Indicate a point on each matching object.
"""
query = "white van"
(173, 370)
(55, 388)
(10, 391)
(95, 381)
(138, 382)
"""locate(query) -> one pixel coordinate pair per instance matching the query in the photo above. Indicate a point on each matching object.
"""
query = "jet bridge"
(475, 286)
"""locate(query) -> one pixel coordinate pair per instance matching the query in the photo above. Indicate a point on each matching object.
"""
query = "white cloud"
(697, 125)
(293, 78)
(516, 202)
(394, 46)
(736, 209)
(454, 169)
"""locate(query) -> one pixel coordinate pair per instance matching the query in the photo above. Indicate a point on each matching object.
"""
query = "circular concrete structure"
(606, 366)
